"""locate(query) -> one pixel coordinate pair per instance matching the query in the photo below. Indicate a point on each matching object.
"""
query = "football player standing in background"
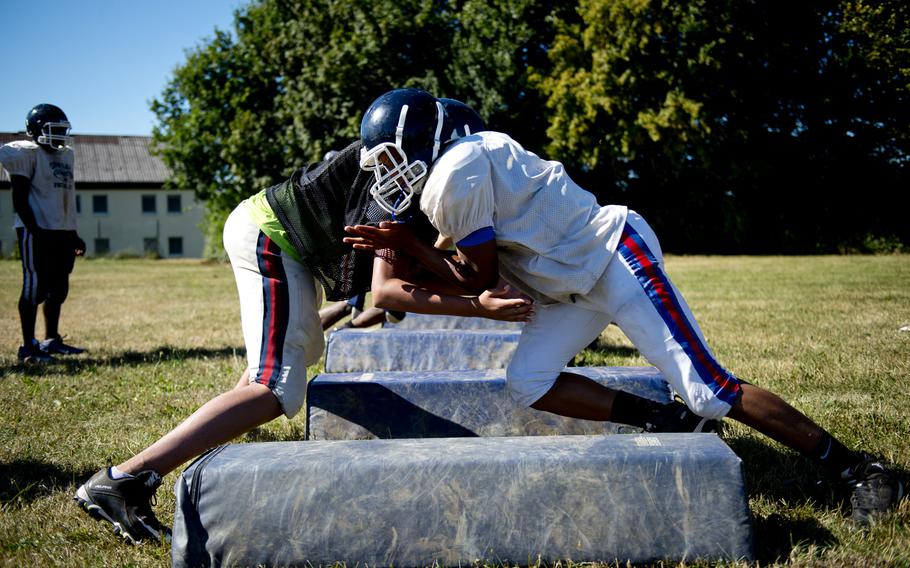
(44, 198)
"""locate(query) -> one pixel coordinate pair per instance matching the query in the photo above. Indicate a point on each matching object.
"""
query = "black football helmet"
(402, 135)
(48, 126)
(461, 119)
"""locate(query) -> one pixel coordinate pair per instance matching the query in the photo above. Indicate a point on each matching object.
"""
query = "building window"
(102, 246)
(175, 246)
(78, 204)
(99, 204)
(150, 245)
(173, 204)
(149, 205)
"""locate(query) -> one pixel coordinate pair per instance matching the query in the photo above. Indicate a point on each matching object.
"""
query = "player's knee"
(526, 385)
(309, 341)
(33, 297)
(57, 295)
(290, 399)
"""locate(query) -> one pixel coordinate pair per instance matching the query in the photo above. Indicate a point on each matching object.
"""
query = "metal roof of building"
(108, 160)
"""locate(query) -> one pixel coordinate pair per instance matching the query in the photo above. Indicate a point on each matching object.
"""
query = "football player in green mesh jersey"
(286, 251)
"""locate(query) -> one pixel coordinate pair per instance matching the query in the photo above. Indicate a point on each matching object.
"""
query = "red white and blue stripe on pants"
(657, 286)
(275, 311)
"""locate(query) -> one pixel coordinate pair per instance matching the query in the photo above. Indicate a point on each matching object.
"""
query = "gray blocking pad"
(437, 404)
(456, 501)
(430, 321)
(392, 349)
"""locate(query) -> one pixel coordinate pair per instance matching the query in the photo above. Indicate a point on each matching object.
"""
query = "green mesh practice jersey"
(314, 205)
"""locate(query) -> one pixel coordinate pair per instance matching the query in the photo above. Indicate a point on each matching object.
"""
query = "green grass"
(164, 336)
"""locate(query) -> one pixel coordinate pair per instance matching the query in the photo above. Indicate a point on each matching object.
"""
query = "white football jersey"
(52, 196)
(554, 240)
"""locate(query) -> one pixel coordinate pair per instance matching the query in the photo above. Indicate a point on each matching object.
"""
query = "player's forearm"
(397, 294)
(451, 269)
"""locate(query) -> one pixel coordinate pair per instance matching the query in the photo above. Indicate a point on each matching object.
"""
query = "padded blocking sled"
(459, 500)
(391, 349)
(430, 321)
(452, 404)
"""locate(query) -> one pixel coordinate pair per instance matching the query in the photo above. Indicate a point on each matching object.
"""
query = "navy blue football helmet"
(48, 126)
(402, 135)
(461, 120)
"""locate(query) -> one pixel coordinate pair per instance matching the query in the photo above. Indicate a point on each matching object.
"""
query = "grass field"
(164, 336)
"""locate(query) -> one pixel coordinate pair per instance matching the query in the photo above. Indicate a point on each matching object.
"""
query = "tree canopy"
(732, 126)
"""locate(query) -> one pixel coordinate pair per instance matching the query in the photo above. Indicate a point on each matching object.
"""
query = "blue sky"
(101, 61)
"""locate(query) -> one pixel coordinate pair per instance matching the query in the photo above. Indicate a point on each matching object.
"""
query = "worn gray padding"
(437, 404)
(430, 321)
(455, 501)
(392, 349)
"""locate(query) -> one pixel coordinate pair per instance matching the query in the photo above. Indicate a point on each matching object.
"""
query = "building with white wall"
(122, 206)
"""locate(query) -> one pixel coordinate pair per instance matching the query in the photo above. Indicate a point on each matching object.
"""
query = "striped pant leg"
(279, 302)
(659, 323)
(29, 254)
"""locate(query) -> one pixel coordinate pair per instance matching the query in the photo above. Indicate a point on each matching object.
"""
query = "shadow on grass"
(775, 537)
(782, 476)
(24, 481)
(297, 433)
(79, 363)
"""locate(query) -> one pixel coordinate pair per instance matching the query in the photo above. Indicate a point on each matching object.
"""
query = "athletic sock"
(834, 456)
(117, 474)
(634, 410)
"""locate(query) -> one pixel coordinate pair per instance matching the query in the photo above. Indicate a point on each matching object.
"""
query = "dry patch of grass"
(164, 337)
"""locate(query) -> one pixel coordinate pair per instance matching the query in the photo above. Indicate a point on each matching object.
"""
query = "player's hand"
(506, 290)
(388, 235)
(507, 304)
(78, 245)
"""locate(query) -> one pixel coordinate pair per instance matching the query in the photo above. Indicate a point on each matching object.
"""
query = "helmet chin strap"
(399, 130)
(395, 216)
(440, 120)
(440, 116)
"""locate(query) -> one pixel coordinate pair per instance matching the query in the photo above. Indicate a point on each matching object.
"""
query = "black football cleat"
(125, 503)
(33, 354)
(56, 346)
(874, 490)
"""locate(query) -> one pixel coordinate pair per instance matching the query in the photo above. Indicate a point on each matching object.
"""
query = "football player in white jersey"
(44, 198)
(516, 215)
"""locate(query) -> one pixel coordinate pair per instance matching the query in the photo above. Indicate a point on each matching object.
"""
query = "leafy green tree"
(216, 121)
(294, 78)
(736, 126)
(496, 46)
(246, 109)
